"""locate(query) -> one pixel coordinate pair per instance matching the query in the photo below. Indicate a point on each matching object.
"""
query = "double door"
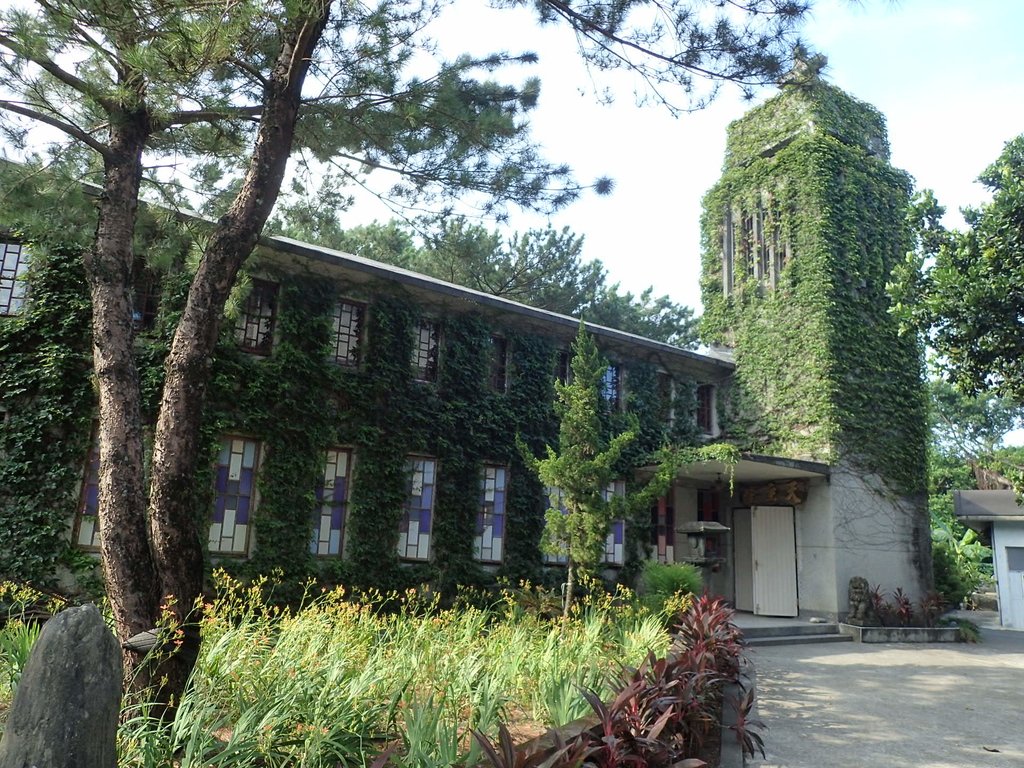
(765, 560)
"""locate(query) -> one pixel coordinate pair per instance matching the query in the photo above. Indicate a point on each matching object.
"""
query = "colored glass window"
(615, 544)
(235, 493)
(13, 263)
(414, 527)
(489, 542)
(331, 504)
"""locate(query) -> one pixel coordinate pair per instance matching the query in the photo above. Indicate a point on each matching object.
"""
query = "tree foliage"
(970, 298)
(581, 470)
(217, 97)
(969, 427)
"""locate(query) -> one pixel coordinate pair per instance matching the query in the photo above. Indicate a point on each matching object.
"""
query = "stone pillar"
(66, 708)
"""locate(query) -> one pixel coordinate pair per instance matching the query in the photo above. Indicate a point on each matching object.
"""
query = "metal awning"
(753, 468)
(987, 506)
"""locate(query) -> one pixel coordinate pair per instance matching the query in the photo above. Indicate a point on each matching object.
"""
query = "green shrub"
(950, 580)
(668, 587)
(670, 578)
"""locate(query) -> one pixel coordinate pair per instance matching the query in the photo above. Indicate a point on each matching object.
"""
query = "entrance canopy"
(753, 468)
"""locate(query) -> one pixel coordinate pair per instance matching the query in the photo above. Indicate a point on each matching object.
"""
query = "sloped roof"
(711, 366)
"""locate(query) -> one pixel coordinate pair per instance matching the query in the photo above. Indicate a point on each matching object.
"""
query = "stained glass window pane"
(615, 544)
(332, 502)
(234, 487)
(488, 543)
(415, 524)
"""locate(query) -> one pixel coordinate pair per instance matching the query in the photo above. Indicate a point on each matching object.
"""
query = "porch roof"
(753, 468)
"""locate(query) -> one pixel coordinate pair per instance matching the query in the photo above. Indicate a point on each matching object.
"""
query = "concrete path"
(894, 706)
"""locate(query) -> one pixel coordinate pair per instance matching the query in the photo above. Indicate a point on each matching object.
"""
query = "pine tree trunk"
(128, 567)
(177, 535)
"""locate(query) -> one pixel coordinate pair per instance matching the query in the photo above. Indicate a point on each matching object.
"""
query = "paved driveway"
(891, 705)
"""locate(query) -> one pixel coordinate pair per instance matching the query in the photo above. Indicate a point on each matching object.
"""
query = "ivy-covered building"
(362, 420)
(800, 236)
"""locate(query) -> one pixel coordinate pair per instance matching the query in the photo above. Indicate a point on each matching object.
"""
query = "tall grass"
(340, 680)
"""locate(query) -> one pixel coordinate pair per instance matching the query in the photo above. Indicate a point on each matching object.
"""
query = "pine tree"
(139, 87)
(580, 471)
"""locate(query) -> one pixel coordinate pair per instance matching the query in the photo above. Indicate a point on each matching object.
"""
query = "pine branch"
(71, 130)
(61, 75)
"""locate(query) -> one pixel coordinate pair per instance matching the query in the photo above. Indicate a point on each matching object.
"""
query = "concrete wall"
(818, 592)
(1011, 600)
(879, 535)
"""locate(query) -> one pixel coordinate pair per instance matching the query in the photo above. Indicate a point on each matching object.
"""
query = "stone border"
(901, 634)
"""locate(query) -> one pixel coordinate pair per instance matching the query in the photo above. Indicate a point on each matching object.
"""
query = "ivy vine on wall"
(822, 371)
(298, 404)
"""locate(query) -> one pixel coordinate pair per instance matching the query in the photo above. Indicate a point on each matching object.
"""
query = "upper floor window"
(488, 544)
(13, 263)
(347, 332)
(563, 366)
(255, 328)
(499, 364)
(331, 504)
(707, 421)
(146, 301)
(415, 525)
(752, 246)
(611, 386)
(666, 397)
(425, 351)
(235, 487)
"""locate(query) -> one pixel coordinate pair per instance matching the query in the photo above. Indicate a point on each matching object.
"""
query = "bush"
(950, 580)
(661, 712)
(670, 578)
(669, 587)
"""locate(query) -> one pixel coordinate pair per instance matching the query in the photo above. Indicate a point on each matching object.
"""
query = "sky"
(948, 76)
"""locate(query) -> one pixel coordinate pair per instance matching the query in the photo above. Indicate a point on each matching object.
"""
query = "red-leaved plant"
(662, 711)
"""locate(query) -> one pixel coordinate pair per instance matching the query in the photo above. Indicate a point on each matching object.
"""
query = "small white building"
(998, 513)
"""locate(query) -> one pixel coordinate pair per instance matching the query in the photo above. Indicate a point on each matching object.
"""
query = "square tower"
(800, 236)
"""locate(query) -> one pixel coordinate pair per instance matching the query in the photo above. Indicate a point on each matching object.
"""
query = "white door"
(773, 550)
(744, 560)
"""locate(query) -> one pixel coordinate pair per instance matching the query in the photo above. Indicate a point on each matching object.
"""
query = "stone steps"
(795, 634)
(829, 637)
